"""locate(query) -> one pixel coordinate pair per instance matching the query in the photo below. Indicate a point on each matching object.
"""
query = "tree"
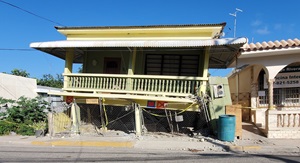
(47, 79)
(50, 81)
(20, 72)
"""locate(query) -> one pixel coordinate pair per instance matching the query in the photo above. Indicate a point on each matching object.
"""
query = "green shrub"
(24, 129)
(5, 101)
(22, 114)
(7, 127)
(27, 111)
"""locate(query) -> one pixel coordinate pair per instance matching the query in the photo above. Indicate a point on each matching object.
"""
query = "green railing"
(137, 84)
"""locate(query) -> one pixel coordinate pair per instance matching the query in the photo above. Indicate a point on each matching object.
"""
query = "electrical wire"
(31, 13)
(157, 115)
(15, 49)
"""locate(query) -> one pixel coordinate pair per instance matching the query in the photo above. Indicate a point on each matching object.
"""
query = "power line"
(31, 13)
(14, 49)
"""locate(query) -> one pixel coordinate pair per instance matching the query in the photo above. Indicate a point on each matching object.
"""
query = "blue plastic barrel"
(226, 127)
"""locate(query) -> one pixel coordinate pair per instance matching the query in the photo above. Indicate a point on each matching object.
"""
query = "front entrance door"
(112, 65)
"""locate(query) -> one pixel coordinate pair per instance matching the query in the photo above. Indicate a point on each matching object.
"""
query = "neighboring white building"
(267, 84)
(13, 87)
(52, 99)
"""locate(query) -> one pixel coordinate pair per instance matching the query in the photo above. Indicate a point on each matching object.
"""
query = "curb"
(244, 148)
(126, 144)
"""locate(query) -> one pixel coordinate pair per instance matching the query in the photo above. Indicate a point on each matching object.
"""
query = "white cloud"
(256, 23)
(263, 31)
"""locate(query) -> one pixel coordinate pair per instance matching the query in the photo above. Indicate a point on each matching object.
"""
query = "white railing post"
(283, 124)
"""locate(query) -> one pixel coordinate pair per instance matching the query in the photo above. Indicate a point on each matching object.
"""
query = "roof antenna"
(235, 15)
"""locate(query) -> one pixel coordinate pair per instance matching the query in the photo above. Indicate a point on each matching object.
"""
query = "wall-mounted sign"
(157, 104)
(290, 69)
(285, 80)
(151, 104)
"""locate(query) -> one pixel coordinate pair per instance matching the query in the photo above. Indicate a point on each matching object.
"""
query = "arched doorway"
(262, 92)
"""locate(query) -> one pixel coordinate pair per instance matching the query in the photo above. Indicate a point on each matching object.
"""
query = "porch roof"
(222, 51)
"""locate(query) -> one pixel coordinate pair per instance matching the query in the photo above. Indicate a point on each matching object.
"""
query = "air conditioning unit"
(219, 91)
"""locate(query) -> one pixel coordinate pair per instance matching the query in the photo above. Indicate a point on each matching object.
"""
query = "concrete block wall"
(284, 134)
(258, 116)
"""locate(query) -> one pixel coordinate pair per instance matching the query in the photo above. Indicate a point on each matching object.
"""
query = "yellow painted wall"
(246, 77)
(142, 33)
(256, 71)
(232, 83)
(99, 56)
(244, 81)
(140, 62)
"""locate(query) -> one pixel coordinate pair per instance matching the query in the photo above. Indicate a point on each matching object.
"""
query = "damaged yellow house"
(152, 67)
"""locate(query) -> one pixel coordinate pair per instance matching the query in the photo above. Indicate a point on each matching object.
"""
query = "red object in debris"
(69, 99)
(161, 104)
(151, 104)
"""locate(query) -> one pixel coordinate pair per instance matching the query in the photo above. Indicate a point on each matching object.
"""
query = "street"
(13, 153)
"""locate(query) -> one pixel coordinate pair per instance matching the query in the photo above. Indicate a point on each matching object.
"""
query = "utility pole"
(235, 15)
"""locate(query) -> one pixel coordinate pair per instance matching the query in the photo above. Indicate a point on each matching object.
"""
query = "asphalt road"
(89, 154)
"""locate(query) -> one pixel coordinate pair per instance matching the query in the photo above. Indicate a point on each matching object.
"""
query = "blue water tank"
(226, 127)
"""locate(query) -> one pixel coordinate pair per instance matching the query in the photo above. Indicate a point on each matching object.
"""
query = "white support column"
(50, 124)
(78, 114)
(254, 95)
(75, 120)
(138, 119)
(270, 90)
(102, 116)
(270, 106)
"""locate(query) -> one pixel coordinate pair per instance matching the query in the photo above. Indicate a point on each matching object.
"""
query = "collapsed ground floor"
(94, 120)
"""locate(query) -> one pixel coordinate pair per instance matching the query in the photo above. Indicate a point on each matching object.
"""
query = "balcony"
(151, 87)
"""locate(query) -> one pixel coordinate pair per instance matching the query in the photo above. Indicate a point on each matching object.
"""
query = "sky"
(27, 21)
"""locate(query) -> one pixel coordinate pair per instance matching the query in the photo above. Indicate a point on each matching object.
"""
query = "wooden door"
(112, 65)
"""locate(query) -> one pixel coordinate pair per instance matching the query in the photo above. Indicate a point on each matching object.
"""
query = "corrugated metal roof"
(222, 51)
(145, 26)
(271, 45)
(138, 43)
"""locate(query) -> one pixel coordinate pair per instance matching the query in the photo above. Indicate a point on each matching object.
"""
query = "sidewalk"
(252, 141)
